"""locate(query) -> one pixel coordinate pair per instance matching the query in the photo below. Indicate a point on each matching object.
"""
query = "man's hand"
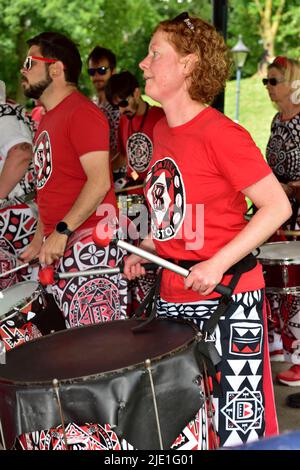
(53, 248)
(32, 251)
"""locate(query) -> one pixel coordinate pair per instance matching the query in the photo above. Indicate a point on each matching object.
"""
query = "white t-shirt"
(15, 129)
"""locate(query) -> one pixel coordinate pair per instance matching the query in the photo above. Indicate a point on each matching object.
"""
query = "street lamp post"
(239, 52)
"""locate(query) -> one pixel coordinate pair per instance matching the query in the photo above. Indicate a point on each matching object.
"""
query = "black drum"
(107, 373)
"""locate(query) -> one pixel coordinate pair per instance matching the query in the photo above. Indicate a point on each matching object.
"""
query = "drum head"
(94, 349)
(17, 296)
(280, 253)
(111, 381)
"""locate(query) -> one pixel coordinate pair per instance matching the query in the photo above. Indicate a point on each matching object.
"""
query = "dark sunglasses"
(123, 104)
(271, 81)
(184, 16)
(101, 70)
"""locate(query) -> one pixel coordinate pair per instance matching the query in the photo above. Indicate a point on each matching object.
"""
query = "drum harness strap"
(206, 345)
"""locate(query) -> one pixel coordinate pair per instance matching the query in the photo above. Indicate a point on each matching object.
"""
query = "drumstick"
(104, 241)
(17, 268)
(47, 276)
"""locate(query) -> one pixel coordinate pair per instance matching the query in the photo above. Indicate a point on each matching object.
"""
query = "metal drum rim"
(83, 378)
(279, 261)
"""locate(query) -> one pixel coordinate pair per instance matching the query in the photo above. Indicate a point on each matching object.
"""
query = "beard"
(36, 90)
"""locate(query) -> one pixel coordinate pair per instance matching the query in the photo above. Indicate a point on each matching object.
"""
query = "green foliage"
(244, 18)
(125, 26)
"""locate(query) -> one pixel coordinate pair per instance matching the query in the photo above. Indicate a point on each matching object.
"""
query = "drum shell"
(15, 303)
(281, 266)
(281, 278)
(120, 397)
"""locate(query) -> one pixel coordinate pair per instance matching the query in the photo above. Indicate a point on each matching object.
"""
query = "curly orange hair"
(213, 65)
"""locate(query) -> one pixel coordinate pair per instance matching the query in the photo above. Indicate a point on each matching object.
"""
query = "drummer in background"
(202, 168)
(18, 212)
(72, 163)
(137, 122)
(283, 156)
(102, 64)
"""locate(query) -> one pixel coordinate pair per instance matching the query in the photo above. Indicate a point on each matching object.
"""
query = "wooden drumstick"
(104, 241)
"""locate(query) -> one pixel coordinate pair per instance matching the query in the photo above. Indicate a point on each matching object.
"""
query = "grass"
(256, 110)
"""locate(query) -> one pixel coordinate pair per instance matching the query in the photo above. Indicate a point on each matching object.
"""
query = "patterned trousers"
(246, 409)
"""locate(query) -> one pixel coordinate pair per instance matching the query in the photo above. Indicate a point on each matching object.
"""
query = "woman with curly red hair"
(202, 168)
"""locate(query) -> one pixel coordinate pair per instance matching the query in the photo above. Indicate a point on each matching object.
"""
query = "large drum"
(281, 263)
(18, 305)
(144, 384)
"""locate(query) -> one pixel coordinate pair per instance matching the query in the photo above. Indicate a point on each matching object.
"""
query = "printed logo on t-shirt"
(139, 151)
(166, 195)
(43, 159)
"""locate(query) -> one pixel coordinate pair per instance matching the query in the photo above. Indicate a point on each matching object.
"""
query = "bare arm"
(273, 209)
(14, 168)
(96, 168)
(33, 249)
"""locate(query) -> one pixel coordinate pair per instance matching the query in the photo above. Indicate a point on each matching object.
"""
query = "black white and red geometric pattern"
(102, 437)
(284, 324)
(87, 300)
(17, 228)
(239, 338)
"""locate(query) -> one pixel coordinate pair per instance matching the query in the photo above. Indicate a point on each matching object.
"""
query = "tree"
(124, 26)
(270, 13)
(267, 26)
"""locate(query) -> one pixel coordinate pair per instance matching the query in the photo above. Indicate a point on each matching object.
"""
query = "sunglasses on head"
(184, 16)
(28, 62)
(100, 70)
(271, 81)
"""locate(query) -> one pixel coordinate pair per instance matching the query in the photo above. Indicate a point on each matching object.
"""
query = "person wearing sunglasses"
(74, 183)
(101, 64)
(283, 156)
(137, 122)
(72, 163)
(203, 166)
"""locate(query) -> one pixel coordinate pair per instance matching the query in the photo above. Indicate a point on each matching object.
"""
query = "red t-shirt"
(72, 129)
(194, 189)
(136, 142)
